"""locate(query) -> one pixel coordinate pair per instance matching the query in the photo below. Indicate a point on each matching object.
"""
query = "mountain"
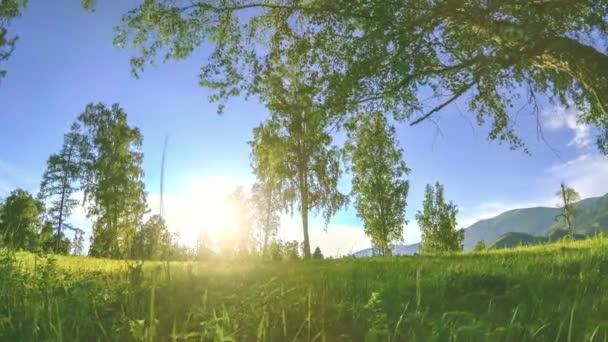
(527, 226)
(510, 240)
(532, 221)
(591, 217)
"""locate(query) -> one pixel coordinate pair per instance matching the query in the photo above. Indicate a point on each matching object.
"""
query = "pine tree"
(59, 183)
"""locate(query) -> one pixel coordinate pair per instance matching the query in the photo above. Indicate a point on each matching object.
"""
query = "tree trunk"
(304, 210)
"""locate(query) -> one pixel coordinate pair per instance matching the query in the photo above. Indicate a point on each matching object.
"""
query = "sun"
(202, 206)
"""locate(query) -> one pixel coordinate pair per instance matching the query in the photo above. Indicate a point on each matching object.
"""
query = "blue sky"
(65, 59)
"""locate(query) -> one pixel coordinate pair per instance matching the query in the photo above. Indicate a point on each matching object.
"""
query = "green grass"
(554, 292)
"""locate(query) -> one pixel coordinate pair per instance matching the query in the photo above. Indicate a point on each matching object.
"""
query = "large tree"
(9, 10)
(20, 220)
(111, 173)
(437, 222)
(567, 197)
(384, 54)
(378, 183)
(60, 182)
(294, 147)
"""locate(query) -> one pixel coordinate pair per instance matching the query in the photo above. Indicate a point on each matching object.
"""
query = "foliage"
(378, 186)
(437, 222)
(9, 10)
(283, 250)
(265, 203)
(152, 240)
(59, 183)
(479, 246)
(49, 242)
(568, 197)
(112, 178)
(78, 242)
(384, 54)
(20, 220)
(317, 254)
(493, 296)
(293, 148)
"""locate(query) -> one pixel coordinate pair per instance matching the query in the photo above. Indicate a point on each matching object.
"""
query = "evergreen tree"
(377, 185)
(437, 222)
(112, 178)
(59, 183)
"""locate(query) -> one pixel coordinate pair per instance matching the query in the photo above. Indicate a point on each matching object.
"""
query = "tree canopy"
(20, 220)
(294, 148)
(378, 183)
(112, 178)
(495, 55)
(9, 10)
(437, 222)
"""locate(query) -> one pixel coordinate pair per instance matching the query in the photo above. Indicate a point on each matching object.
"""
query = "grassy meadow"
(555, 292)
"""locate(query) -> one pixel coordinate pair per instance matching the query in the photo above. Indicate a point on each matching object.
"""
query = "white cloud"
(587, 174)
(558, 117)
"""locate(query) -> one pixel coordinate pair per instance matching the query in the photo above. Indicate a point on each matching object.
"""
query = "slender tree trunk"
(304, 212)
(61, 205)
(268, 224)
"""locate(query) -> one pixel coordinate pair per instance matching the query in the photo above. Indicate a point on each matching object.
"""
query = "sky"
(65, 59)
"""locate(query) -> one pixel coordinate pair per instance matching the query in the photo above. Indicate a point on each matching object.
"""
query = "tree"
(20, 219)
(568, 197)
(479, 246)
(293, 147)
(153, 240)
(9, 10)
(78, 242)
(437, 222)
(317, 255)
(382, 54)
(112, 178)
(50, 242)
(265, 209)
(59, 183)
(378, 186)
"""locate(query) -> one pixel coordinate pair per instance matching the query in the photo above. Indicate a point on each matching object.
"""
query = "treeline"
(296, 165)
(99, 168)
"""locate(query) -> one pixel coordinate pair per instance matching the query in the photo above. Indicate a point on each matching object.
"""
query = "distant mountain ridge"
(526, 226)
